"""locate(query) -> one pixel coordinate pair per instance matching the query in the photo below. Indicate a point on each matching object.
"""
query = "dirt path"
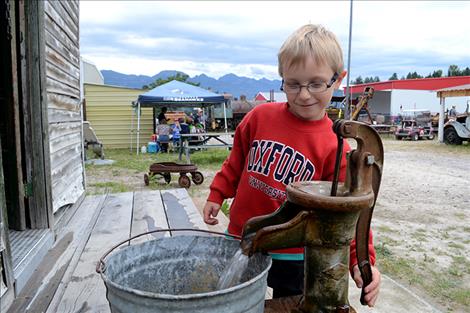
(421, 220)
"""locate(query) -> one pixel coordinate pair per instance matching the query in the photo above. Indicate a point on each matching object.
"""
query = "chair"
(90, 139)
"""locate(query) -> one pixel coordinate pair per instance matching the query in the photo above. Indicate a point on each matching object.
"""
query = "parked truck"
(457, 130)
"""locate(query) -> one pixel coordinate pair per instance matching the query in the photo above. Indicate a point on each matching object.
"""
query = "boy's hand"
(211, 209)
(372, 290)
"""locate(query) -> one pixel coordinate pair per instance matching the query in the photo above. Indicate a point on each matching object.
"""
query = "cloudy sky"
(243, 37)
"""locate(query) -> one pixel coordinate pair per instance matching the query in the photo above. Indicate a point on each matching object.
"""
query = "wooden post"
(441, 120)
(41, 215)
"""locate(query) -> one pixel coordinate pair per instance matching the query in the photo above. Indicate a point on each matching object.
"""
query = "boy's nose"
(304, 93)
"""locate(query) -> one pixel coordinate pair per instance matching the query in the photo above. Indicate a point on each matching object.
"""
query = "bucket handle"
(101, 265)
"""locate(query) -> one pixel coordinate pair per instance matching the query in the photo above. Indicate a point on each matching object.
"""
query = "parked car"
(410, 129)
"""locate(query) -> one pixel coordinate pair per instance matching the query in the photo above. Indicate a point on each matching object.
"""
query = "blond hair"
(311, 41)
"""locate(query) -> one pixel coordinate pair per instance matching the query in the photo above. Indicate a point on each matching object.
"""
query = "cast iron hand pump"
(324, 222)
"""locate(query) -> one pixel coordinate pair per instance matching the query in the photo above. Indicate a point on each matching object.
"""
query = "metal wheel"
(415, 137)
(184, 181)
(167, 177)
(431, 136)
(198, 178)
(146, 180)
(451, 137)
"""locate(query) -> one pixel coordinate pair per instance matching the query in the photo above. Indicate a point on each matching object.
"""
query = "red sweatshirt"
(272, 148)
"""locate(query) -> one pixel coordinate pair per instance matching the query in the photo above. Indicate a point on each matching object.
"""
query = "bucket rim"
(190, 296)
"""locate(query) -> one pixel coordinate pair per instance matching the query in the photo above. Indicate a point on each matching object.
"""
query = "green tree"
(437, 73)
(358, 80)
(466, 72)
(454, 71)
(179, 77)
(413, 75)
(393, 77)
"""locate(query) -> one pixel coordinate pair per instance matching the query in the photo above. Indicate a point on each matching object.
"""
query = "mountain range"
(229, 83)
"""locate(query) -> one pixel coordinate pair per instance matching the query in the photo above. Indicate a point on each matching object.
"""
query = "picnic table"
(199, 141)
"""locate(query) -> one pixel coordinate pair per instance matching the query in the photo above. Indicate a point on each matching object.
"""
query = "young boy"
(278, 143)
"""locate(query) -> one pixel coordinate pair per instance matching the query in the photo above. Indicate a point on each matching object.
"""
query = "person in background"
(161, 115)
(453, 112)
(175, 130)
(303, 149)
(163, 133)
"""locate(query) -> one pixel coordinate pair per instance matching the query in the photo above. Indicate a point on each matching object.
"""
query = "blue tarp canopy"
(179, 94)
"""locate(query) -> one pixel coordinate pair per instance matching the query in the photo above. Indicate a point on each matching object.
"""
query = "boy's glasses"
(311, 88)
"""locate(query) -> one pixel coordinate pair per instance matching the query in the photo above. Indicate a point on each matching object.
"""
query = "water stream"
(232, 274)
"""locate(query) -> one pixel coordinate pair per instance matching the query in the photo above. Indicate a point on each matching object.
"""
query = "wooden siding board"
(59, 16)
(68, 142)
(56, 116)
(58, 87)
(57, 33)
(66, 190)
(57, 74)
(112, 226)
(57, 101)
(57, 130)
(66, 52)
(66, 162)
(56, 58)
(71, 10)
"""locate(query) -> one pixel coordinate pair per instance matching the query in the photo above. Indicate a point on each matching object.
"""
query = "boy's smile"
(306, 105)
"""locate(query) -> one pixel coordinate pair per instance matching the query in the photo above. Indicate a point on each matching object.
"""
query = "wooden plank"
(57, 116)
(181, 211)
(49, 275)
(10, 122)
(59, 34)
(41, 216)
(85, 291)
(61, 102)
(72, 11)
(60, 17)
(68, 141)
(57, 130)
(57, 46)
(64, 63)
(55, 86)
(58, 74)
(148, 214)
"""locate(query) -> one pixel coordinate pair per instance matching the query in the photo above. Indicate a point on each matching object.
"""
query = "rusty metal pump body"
(325, 224)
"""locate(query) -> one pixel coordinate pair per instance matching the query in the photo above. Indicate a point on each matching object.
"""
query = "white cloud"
(218, 37)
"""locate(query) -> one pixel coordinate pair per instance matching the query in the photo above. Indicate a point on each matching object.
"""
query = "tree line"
(179, 77)
(452, 71)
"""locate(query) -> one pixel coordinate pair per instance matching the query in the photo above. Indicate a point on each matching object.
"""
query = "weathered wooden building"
(109, 111)
(42, 176)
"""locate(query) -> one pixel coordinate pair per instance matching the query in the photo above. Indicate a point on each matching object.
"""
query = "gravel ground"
(421, 221)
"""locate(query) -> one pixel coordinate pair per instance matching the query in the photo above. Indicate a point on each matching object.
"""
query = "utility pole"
(347, 112)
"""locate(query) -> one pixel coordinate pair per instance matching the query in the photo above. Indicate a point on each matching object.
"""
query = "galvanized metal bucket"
(180, 274)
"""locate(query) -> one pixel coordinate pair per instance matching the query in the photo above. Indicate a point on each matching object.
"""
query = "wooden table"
(118, 216)
(197, 141)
